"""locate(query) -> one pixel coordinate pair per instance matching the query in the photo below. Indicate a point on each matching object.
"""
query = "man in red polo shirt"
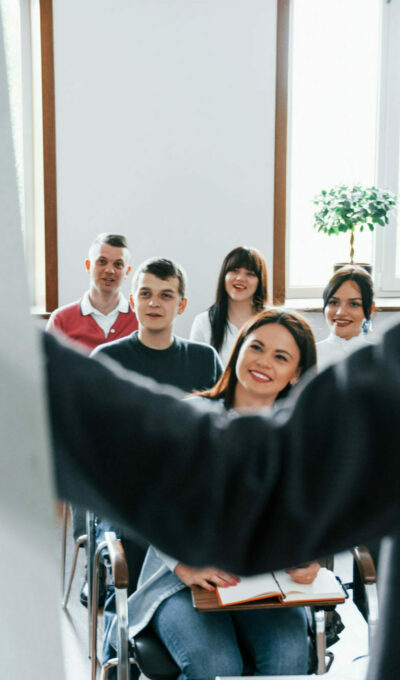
(103, 314)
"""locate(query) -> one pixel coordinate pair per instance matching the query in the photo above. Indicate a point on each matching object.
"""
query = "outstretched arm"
(250, 493)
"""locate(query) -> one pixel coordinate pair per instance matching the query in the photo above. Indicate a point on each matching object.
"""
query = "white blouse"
(333, 349)
(201, 332)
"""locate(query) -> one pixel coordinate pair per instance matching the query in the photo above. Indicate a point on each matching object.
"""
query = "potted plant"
(348, 208)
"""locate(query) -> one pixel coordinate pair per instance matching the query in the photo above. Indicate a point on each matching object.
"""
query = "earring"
(366, 326)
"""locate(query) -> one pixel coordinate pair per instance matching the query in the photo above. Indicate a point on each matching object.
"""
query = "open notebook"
(280, 585)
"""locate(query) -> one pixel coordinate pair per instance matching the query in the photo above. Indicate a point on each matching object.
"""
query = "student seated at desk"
(271, 353)
(158, 298)
(348, 304)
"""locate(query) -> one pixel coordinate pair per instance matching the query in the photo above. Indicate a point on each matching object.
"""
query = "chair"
(148, 652)
(80, 541)
(88, 540)
(367, 572)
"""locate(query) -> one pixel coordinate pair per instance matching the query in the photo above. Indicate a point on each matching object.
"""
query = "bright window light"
(332, 127)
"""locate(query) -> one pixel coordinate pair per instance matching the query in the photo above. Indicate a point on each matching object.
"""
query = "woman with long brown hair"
(242, 292)
(272, 351)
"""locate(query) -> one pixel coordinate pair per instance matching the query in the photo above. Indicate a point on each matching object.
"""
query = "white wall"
(165, 132)
(30, 644)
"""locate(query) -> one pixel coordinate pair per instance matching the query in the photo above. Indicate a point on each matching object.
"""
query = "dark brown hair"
(164, 269)
(361, 277)
(115, 240)
(297, 326)
(251, 259)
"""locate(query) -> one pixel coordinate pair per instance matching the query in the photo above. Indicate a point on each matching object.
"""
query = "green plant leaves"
(348, 207)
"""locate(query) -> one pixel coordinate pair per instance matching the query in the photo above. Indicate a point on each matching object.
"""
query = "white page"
(248, 588)
(325, 586)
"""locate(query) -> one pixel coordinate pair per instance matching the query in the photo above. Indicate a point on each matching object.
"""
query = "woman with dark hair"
(242, 291)
(229, 387)
(271, 353)
(348, 305)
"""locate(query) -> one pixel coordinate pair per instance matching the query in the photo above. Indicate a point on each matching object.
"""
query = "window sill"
(39, 313)
(314, 304)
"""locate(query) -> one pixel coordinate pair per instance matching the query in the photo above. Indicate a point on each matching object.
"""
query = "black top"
(250, 493)
(185, 364)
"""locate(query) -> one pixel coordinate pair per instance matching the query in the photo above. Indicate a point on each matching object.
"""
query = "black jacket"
(251, 493)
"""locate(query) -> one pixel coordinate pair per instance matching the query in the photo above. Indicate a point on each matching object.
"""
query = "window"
(388, 240)
(28, 27)
(342, 112)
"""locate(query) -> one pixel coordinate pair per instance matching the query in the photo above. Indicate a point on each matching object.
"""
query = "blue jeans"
(206, 644)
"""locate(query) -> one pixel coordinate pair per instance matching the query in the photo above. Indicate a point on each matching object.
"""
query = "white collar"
(346, 344)
(87, 307)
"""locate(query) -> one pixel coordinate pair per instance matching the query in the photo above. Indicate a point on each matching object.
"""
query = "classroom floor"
(353, 641)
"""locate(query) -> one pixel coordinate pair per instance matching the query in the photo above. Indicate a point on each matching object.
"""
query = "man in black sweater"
(158, 297)
(249, 494)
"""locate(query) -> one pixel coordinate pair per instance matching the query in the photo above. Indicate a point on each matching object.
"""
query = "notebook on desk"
(280, 586)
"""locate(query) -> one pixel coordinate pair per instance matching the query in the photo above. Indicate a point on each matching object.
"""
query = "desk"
(207, 601)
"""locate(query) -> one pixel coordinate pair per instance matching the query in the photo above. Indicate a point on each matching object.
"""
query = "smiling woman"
(242, 291)
(272, 351)
(267, 362)
(348, 306)
(270, 354)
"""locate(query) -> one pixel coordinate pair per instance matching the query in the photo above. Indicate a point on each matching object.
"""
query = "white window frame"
(388, 239)
(387, 154)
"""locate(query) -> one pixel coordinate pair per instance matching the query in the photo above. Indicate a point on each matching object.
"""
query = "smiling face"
(241, 284)
(157, 302)
(344, 311)
(108, 268)
(268, 361)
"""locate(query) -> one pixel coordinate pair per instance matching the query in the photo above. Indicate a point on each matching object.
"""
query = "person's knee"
(206, 664)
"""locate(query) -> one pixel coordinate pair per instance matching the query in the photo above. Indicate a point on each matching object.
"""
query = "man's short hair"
(164, 269)
(115, 240)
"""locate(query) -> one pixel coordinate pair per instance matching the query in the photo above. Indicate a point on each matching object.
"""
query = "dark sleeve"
(105, 349)
(250, 493)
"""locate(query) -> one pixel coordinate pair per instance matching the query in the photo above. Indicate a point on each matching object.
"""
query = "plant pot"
(364, 265)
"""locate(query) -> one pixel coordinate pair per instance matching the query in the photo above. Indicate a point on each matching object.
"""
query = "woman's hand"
(207, 577)
(306, 574)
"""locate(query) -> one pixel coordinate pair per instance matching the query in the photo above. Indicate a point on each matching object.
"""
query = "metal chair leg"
(81, 541)
(320, 640)
(121, 605)
(112, 663)
(95, 608)
(63, 546)
(371, 593)
(121, 581)
(91, 549)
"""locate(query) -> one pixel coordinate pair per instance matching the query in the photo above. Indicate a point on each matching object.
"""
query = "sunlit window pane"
(12, 35)
(397, 247)
(333, 123)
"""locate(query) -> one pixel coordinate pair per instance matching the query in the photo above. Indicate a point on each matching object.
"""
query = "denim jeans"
(206, 644)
